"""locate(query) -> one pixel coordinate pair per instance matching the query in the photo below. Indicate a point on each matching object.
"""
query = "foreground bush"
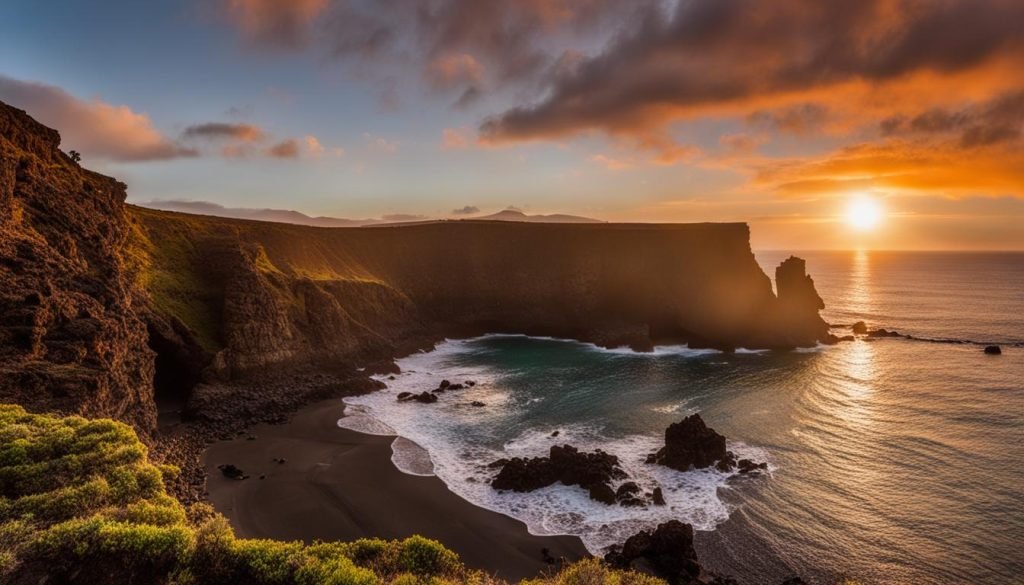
(81, 503)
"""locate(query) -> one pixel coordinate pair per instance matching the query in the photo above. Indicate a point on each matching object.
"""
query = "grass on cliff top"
(81, 503)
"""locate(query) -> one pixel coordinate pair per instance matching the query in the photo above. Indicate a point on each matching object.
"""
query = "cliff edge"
(71, 334)
(104, 305)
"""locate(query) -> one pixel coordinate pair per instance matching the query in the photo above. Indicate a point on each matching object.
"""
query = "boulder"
(232, 472)
(423, 397)
(993, 350)
(690, 443)
(860, 328)
(566, 464)
(628, 495)
(477, 403)
(884, 333)
(657, 497)
(444, 385)
(668, 551)
(748, 466)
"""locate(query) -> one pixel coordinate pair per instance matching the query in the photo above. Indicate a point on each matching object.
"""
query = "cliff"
(71, 334)
(102, 302)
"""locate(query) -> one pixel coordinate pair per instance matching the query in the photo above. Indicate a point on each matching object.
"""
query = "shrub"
(81, 503)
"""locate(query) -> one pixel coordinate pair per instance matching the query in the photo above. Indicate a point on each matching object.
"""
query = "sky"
(794, 116)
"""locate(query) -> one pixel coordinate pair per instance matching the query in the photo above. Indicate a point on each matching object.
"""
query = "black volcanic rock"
(993, 350)
(748, 466)
(690, 443)
(230, 471)
(591, 471)
(668, 551)
(658, 497)
(423, 397)
(884, 333)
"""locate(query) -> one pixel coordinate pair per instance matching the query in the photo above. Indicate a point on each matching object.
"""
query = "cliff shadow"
(178, 365)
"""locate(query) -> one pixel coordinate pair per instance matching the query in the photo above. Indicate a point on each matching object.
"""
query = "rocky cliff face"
(71, 336)
(102, 303)
(290, 293)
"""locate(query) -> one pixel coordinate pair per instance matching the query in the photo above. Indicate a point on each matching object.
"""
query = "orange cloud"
(897, 165)
(737, 57)
(452, 139)
(274, 23)
(95, 128)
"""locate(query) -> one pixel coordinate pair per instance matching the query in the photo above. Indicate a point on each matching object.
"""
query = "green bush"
(81, 503)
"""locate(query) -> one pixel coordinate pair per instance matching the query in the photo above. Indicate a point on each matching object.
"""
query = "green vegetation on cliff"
(81, 503)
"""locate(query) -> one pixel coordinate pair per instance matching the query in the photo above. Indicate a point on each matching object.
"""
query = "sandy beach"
(337, 484)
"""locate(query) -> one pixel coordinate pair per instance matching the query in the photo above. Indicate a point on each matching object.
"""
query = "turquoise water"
(892, 461)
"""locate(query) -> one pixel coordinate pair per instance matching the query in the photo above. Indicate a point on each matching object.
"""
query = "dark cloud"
(490, 43)
(467, 210)
(221, 130)
(726, 52)
(93, 127)
(999, 120)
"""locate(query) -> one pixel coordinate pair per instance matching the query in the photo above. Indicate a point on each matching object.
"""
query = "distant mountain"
(277, 215)
(516, 215)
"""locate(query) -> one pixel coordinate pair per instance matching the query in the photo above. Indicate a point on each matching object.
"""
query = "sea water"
(890, 461)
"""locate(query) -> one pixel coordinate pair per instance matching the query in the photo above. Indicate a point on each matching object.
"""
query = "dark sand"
(337, 484)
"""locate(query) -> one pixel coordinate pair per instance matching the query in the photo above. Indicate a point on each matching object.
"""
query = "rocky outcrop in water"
(690, 443)
(593, 472)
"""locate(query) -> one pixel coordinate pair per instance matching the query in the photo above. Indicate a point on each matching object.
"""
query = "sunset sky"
(781, 113)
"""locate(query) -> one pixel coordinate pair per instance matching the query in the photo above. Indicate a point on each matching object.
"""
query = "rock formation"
(668, 552)
(593, 472)
(72, 334)
(690, 443)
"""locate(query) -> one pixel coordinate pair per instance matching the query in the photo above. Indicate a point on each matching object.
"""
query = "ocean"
(890, 460)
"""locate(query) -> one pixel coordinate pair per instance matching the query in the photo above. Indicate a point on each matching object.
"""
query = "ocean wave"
(436, 435)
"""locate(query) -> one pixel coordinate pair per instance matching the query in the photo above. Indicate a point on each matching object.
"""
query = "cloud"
(378, 144)
(465, 47)
(95, 128)
(221, 130)
(467, 210)
(452, 139)
(611, 163)
(998, 120)
(284, 149)
(736, 55)
(274, 24)
(918, 166)
(453, 69)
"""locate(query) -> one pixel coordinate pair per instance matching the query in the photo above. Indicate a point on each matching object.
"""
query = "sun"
(864, 213)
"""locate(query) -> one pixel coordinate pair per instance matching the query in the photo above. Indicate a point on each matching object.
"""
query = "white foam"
(356, 419)
(431, 435)
(410, 458)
